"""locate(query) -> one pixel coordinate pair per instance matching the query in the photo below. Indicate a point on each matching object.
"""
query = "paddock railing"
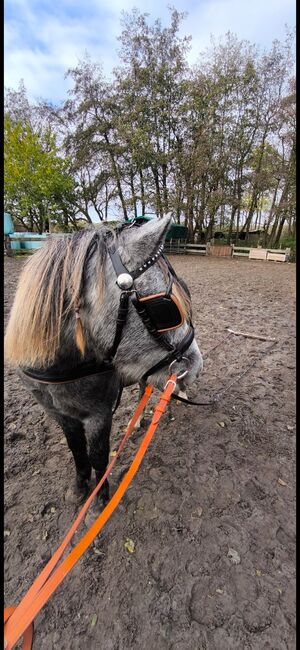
(275, 254)
(27, 245)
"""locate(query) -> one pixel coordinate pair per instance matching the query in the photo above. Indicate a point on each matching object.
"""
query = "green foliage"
(287, 241)
(36, 178)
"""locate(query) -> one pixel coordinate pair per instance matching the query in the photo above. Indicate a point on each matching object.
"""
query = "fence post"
(7, 246)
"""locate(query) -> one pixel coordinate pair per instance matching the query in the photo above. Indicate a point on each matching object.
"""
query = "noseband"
(159, 312)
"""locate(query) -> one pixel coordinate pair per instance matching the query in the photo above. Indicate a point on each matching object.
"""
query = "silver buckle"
(125, 281)
(170, 381)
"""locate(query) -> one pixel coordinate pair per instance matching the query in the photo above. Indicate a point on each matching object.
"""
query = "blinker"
(124, 281)
(162, 309)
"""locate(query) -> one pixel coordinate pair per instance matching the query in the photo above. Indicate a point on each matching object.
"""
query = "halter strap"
(120, 268)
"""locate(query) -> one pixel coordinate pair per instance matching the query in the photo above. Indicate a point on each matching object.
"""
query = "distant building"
(242, 236)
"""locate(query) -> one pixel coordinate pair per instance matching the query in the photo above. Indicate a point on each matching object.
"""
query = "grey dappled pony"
(65, 312)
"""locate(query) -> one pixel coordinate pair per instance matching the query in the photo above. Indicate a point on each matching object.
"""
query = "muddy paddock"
(211, 510)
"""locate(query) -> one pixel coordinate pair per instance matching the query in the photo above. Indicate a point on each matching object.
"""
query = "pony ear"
(141, 242)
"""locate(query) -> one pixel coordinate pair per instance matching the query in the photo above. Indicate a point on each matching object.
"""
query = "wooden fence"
(174, 247)
(179, 246)
(271, 254)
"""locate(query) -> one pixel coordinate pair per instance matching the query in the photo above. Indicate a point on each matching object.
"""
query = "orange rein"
(18, 619)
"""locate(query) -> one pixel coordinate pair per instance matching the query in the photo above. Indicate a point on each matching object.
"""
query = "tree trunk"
(255, 190)
(279, 231)
(133, 195)
(210, 227)
(238, 215)
(106, 202)
(178, 200)
(117, 177)
(142, 193)
(283, 203)
(165, 188)
(271, 214)
(31, 221)
(190, 208)
(159, 208)
(233, 211)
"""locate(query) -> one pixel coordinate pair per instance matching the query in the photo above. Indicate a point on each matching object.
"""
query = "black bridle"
(148, 309)
(160, 313)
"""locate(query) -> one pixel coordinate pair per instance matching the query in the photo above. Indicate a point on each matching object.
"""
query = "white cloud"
(258, 21)
(56, 46)
(43, 39)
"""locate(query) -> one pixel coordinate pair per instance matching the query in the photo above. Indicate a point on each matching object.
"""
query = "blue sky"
(44, 38)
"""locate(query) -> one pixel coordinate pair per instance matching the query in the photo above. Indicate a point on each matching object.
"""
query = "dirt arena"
(211, 511)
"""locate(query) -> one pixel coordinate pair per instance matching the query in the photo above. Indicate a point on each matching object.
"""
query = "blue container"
(15, 245)
(18, 244)
(29, 245)
(8, 224)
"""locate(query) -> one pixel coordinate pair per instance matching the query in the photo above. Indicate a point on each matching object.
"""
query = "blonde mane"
(49, 290)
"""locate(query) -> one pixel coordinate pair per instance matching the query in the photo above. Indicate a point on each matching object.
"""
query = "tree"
(36, 179)
(213, 144)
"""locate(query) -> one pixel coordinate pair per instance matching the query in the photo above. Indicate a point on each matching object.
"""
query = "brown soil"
(211, 510)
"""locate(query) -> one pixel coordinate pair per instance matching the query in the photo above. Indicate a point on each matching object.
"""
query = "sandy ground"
(212, 509)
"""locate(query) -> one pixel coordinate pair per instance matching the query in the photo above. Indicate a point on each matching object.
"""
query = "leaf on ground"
(233, 556)
(289, 428)
(222, 424)
(98, 552)
(197, 513)
(94, 620)
(6, 533)
(258, 572)
(113, 453)
(219, 591)
(281, 482)
(129, 545)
